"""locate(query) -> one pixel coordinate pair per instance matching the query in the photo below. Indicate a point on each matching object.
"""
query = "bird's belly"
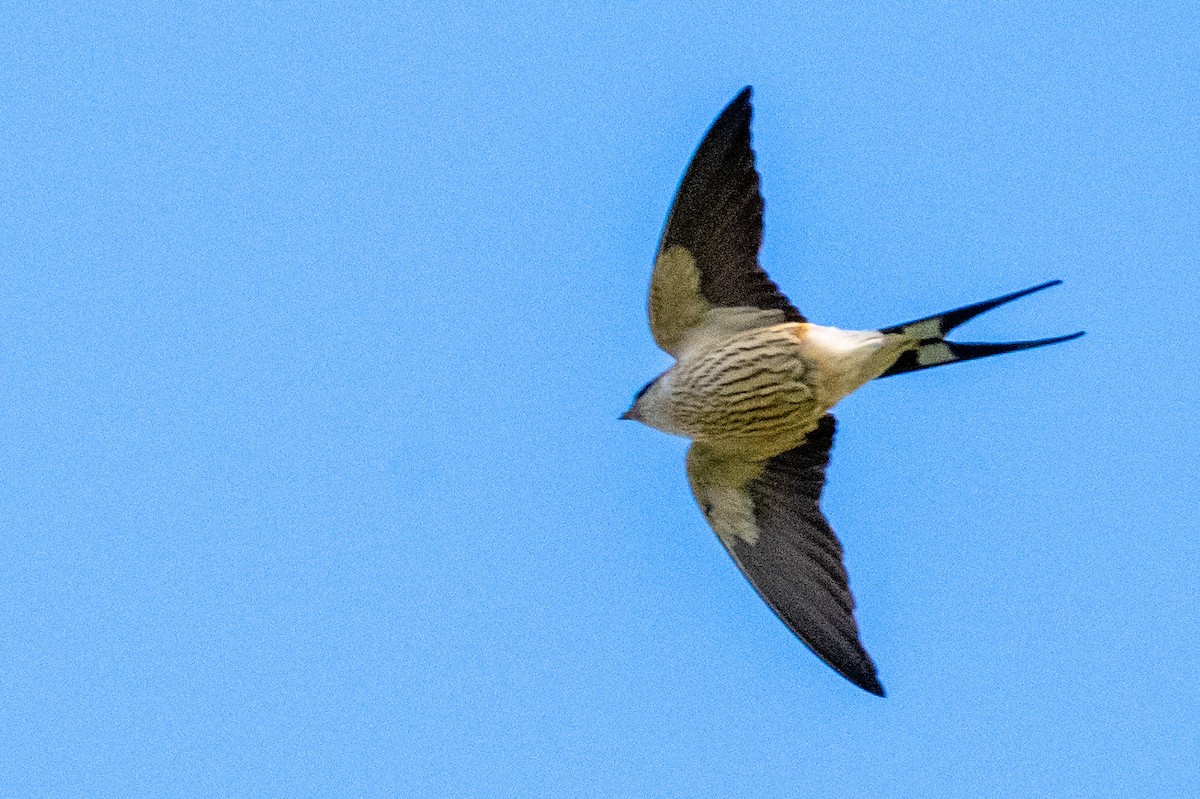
(754, 398)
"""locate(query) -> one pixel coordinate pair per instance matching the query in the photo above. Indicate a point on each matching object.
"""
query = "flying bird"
(752, 386)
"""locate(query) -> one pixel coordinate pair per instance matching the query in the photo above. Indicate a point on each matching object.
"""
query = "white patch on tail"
(934, 354)
(926, 329)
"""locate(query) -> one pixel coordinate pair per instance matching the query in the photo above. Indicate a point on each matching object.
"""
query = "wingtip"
(740, 105)
(869, 682)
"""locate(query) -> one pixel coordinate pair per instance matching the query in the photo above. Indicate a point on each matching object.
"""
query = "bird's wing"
(708, 256)
(769, 518)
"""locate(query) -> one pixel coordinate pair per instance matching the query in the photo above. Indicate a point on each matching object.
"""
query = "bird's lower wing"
(768, 516)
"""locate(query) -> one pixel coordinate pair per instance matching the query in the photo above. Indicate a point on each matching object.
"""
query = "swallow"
(752, 386)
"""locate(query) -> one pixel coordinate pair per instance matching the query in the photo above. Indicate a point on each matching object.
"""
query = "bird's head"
(647, 406)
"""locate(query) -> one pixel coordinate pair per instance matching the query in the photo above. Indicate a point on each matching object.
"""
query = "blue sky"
(317, 321)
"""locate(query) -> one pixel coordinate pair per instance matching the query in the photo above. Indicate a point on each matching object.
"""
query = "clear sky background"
(316, 321)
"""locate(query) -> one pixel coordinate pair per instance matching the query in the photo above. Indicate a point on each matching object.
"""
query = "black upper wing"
(716, 220)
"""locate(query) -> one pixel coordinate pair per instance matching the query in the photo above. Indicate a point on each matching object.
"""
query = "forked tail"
(931, 331)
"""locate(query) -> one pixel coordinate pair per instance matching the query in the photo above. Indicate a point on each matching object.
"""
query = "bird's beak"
(629, 415)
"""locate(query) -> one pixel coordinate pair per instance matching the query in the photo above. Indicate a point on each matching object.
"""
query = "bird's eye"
(644, 389)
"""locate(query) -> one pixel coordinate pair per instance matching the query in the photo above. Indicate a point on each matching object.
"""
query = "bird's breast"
(755, 393)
